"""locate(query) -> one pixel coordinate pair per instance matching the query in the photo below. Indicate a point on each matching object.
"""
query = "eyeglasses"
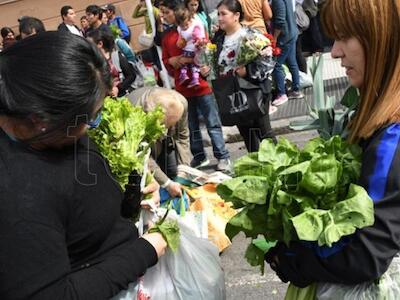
(94, 123)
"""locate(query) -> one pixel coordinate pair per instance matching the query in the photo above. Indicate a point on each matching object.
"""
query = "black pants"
(314, 36)
(301, 61)
(256, 131)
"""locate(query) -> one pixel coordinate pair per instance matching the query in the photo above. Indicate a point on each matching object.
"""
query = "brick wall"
(49, 12)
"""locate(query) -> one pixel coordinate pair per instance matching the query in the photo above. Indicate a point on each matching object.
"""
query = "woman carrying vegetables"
(61, 233)
(366, 34)
(228, 41)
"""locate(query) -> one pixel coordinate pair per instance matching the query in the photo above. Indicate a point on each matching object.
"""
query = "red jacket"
(169, 49)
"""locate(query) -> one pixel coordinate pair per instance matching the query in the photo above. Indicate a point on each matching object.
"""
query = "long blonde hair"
(376, 25)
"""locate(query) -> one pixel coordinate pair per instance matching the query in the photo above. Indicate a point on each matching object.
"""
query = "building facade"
(49, 12)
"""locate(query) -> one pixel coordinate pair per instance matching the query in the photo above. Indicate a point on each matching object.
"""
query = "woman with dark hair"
(8, 36)
(199, 98)
(228, 41)
(122, 71)
(61, 234)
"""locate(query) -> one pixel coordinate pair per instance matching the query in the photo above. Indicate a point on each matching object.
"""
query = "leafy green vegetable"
(288, 194)
(328, 226)
(295, 293)
(125, 135)
(255, 256)
(169, 229)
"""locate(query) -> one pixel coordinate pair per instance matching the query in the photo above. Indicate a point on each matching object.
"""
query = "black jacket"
(61, 233)
(62, 27)
(367, 254)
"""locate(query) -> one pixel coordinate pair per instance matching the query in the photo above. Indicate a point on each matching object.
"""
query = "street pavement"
(244, 282)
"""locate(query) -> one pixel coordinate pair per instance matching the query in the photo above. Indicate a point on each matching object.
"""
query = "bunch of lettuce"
(125, 135)
(287, 194)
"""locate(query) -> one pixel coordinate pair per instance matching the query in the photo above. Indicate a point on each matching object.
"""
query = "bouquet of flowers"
(256, 45)
(258, 49)
(207, 57)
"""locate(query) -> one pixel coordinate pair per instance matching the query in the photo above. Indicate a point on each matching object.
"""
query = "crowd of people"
(52, 242)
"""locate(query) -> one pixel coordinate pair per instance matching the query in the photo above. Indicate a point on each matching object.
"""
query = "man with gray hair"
(174, 148)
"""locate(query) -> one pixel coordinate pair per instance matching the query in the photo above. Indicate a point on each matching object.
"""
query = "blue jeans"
(208, 108)
(288, 55)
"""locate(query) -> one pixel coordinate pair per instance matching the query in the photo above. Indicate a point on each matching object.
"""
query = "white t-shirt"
(195, 31)
(229, 52)
(73, 29)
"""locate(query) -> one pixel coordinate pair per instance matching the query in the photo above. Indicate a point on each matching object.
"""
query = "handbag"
(146, 40)
(302, 20)
(239, 101)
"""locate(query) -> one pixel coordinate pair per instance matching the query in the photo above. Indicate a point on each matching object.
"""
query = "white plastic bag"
(194, 272)
(387, 288)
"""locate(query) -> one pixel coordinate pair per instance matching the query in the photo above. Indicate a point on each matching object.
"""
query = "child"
(192, 35)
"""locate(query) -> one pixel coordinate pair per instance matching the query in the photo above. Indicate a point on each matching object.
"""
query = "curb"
(232, 135)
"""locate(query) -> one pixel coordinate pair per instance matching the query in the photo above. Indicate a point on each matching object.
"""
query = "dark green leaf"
(250, 221)
(321, 176)
(255, 257)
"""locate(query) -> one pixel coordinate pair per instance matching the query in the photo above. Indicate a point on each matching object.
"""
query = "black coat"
(62, 27)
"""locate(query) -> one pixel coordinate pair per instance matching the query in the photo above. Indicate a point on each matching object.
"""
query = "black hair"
(55, 77)
(95, 10)
(83, 18)
(5, 31)
(182, 14)
(200, 9)
(103, 36)
(171, 4)
(110, 7)
(233, 6)
(64, 10)
(28, 24)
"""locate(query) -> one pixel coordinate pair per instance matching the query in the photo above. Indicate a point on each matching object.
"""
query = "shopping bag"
(146, 40)
(194, 272)
(239, 101)
(386, 288)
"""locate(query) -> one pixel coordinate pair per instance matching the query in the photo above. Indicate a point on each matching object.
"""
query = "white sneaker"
(224, 165)
(272, 109)
(280, 100)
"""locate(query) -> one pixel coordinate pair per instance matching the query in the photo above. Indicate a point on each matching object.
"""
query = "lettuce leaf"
(124, 136)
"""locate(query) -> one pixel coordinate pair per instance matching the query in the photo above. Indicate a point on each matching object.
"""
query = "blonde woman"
(366, 34)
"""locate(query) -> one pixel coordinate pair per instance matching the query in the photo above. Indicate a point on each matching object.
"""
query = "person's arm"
(266, 11)
(170, 63)
(42, 255)
(366, 255)
(181, 138)
(279, 17)
(129, 74)
(124, 28)
(139, 11)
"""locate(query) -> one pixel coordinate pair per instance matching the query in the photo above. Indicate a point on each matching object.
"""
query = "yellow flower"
(211, 46)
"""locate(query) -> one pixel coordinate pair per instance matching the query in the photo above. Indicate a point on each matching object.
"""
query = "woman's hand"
(241, 71)
(114, 92)
(174, 189)
(175, 62)
(154, 189)
(157, 241)
(205, 71)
